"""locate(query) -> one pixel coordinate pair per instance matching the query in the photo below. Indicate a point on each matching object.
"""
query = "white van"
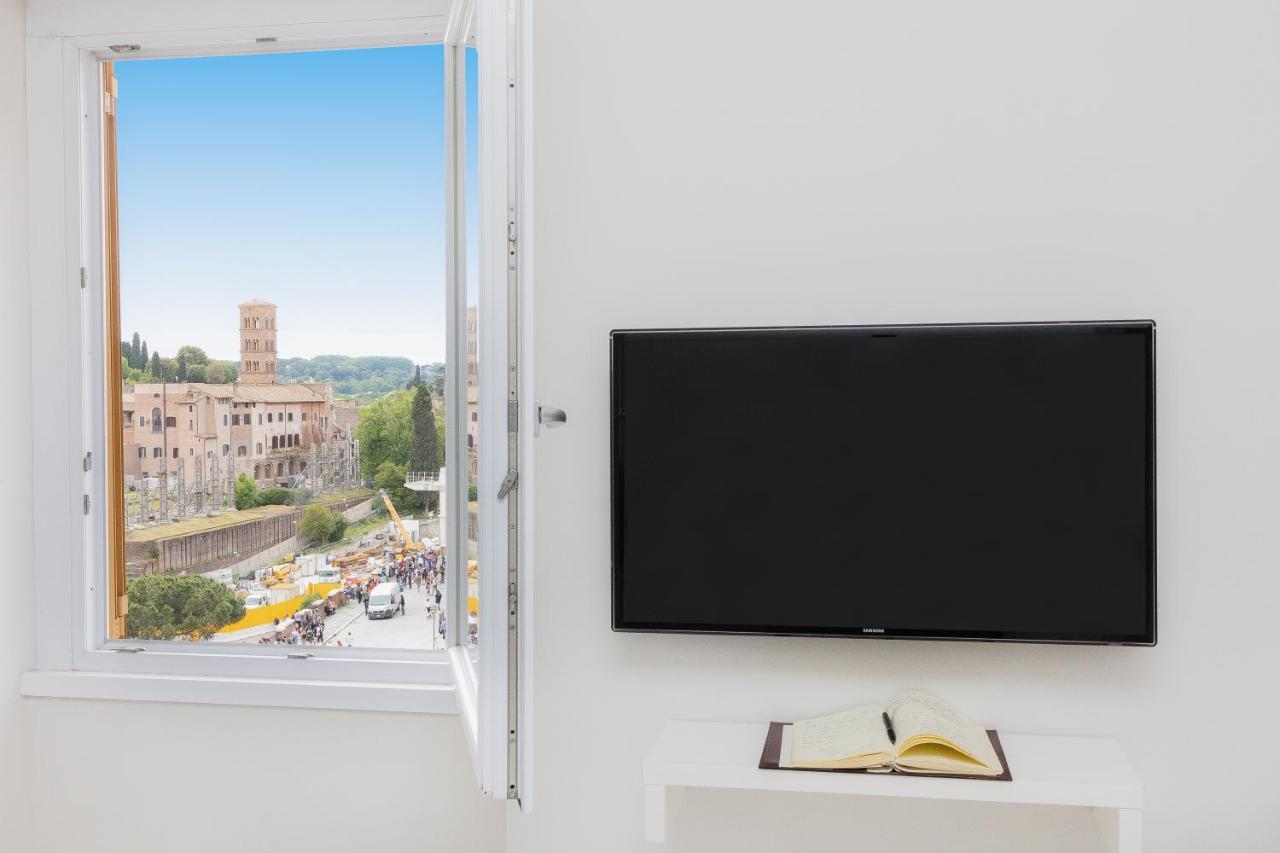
(384, 601)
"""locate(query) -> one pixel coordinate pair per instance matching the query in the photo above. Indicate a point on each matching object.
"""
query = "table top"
(1047, 769)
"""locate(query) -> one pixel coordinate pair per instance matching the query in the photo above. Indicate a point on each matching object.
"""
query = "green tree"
(137, 355)
(197, 373)
(168, 370)
(385, 430)
(318, 523)
(181, 370)
(246, 492)
(416, 381)
(220, 372)
(424, 453)
(193, 355)
(390, 477)
(276, 495)
(162, 607)
(143, 358)
(435, 379)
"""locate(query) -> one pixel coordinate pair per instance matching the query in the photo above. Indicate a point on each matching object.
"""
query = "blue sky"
(312, 180)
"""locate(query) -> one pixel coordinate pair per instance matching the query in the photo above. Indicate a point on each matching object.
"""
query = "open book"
(917, 733)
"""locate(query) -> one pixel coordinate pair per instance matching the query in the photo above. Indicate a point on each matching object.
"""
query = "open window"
(291, 409)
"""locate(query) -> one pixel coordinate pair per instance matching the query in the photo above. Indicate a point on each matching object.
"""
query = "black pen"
(888, 726)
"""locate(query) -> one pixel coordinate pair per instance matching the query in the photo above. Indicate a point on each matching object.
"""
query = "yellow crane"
(406, 544)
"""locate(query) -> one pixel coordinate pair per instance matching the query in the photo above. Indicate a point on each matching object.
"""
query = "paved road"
(413, 630)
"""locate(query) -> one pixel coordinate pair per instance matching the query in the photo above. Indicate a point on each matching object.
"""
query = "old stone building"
(257, 342)
(265, 428)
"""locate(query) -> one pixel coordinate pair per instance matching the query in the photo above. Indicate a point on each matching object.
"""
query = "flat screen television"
(981, 482)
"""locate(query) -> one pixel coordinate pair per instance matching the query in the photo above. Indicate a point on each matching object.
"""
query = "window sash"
(66, 249)
(73, 592)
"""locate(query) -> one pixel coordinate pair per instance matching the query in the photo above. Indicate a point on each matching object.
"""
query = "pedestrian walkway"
(412, 630)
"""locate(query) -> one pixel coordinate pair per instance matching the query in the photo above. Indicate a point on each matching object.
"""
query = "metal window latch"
(549, 416)
(299, 655)
(88, 461)
(129, 650)
(508, 483)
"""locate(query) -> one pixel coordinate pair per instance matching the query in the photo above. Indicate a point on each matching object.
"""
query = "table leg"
(1121, 829)
(655, 812)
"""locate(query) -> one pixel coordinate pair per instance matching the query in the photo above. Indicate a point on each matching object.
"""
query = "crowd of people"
(423, 571)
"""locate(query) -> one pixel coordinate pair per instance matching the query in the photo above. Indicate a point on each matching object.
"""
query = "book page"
(841, 738)
(919, 718)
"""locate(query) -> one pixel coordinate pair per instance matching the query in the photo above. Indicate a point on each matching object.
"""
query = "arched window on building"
(302, 467)
(242, 451)
(279, 469)
(257, 472)
(275, 442)
(290, 466)
(157, 425)
(259, 448)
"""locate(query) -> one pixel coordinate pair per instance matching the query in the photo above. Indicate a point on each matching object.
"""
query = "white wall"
(107, 777)
(869, 162)
(729, 162)
(17, 640)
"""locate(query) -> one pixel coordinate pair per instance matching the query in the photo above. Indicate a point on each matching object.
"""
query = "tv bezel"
(616, 476)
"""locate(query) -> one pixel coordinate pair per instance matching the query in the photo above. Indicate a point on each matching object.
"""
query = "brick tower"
(257, 342)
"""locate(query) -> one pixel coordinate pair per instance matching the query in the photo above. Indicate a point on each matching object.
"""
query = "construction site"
(328, 585)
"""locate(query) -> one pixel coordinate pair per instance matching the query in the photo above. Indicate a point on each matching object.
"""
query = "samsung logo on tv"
(873, 630)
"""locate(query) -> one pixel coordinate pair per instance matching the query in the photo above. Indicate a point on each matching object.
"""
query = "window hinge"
(88, 461)
(508, 483)
(86, 504)
(511, 230)
(129, 650)
(84, 278)
(513, 416)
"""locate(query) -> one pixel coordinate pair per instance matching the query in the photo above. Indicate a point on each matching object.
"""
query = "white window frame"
(67, 40)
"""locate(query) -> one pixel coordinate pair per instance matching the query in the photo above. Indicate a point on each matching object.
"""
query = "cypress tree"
(156, 375)
(143, 358)
(137, 360)
(416, 381)
(182, 366)
(424, 452)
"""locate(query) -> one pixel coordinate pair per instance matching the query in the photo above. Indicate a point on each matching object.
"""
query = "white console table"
(1056, 771)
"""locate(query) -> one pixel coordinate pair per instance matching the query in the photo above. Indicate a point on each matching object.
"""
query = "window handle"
(508, 483)
(550, 416)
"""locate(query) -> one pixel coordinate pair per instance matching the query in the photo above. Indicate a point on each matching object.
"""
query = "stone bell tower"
(257, 342)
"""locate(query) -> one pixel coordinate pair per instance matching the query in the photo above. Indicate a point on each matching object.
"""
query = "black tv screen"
(987, 482)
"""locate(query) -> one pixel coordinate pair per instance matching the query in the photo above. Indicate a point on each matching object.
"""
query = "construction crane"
(406, 544)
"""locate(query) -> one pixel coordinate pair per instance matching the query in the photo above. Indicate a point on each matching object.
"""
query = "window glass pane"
(473, 360)
(282, 347)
